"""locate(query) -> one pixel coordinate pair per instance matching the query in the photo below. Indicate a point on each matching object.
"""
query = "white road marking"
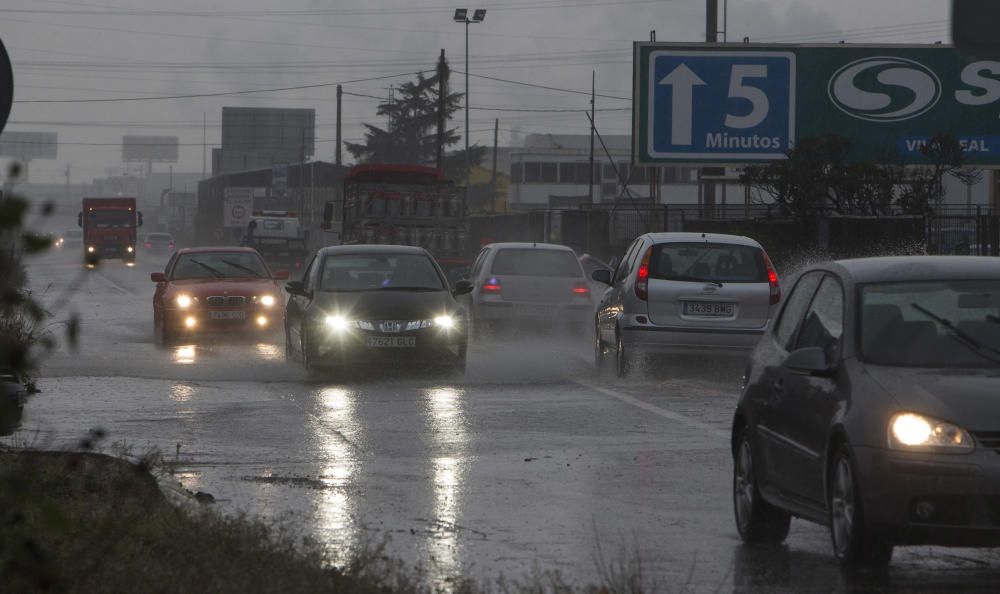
(656, 410)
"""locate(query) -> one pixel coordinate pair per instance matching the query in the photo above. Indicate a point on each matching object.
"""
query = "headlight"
(130, 249)
(183, 301)
(266, 300)
(90, 249)
(338, 323)
(446, 322)
(910, 431)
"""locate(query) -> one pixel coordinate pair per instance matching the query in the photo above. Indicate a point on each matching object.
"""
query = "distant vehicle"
(158, 243)
(685, 294)
(529, 285)
(55, 239)
(109, 229)
(218, 289)
(375, 304)
(13, 391)
(871, 407)
(403, 205)
(279, 238)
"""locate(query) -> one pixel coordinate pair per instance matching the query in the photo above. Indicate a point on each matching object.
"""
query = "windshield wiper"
(985, 351)
(218, 273)
(694, 279)
(391, 288)
(255, 273)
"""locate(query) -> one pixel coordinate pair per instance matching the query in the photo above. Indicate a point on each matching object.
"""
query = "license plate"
(709, 309)
(227, 315)
(391, 341)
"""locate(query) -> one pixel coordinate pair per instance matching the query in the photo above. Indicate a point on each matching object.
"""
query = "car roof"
(367, 248)
(702, 237)
(529, 246)
(914, 268)
(222, 248)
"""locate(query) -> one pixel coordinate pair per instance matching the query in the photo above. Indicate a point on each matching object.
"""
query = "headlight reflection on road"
(338, 433)
(269, 352)
(184, 355)
(449, 432)
(181, 392)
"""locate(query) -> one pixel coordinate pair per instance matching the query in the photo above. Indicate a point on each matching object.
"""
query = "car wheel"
(289, 355)
(306, 353)
(161, 334)
(854, 541)
(757, 521)
(600, 354)
(623, 362)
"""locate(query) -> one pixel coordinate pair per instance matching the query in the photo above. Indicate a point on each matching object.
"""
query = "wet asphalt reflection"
(530, 459)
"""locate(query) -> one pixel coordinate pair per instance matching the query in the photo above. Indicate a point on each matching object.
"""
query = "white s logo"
(884, 89)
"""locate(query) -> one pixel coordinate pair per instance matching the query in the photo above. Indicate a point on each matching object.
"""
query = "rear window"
(536, 262)
(709, 262)
(158, 236)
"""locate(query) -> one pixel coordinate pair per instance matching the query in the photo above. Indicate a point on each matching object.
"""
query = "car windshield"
(219, 265)
(943, 324)
(379, 272)
(708, 262)
(536, 262)
(111, 219)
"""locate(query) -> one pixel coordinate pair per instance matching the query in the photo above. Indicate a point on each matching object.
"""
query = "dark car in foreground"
(218, 290)
(375, 304)
(871, 406)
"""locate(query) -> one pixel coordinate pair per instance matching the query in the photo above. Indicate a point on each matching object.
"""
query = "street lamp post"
(462, 16)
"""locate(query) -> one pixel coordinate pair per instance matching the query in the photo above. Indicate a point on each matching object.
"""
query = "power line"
(537, 86)
(220, 94)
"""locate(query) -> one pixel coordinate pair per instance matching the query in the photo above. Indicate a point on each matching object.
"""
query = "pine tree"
(412, 134)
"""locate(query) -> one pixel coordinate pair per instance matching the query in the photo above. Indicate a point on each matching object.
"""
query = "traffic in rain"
(623, 296)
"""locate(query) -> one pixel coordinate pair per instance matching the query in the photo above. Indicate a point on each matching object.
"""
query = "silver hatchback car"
(685, 293)
(530, 285)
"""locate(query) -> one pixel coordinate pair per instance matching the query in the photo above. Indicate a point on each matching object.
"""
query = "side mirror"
(810, 361)
(462, 287)
(613, 264)
(157, 277)
(601, 275)
(280, 275)
(296, 288)
(138, 217)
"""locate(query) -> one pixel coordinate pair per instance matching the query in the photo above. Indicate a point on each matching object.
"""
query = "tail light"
(149, 245)
(491, 287)
(642, 277)
(772, 280)
(581, 289)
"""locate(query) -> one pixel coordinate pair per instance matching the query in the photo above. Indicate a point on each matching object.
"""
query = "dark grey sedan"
(363, 305)
(872, 406)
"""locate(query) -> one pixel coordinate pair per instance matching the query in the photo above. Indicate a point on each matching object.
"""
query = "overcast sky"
(192, 47)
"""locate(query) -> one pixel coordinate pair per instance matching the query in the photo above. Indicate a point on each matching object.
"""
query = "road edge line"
(656, 410)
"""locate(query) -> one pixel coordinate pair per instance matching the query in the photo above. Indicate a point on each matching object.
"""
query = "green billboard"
(745, 103)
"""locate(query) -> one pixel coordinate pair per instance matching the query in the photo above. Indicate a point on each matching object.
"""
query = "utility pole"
(302, 175)
(654, 177)
(466, 209)
(204, 145)
(340, 97)
(493, 178)
(711, 36)
(442, 73)
(593, 99)
(69, 167)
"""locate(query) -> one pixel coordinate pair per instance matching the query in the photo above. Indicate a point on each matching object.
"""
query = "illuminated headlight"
(183, 301)
(130, 249)
(910, 431)
(446, 322)
(90, 249)
(338, 323)
(266, 300)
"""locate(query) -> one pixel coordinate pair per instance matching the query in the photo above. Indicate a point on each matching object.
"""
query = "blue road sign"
(737, 105)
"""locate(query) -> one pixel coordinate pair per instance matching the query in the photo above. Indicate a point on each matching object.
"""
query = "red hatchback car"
(217, 289)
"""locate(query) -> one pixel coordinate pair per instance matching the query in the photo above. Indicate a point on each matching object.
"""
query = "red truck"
(109, 229)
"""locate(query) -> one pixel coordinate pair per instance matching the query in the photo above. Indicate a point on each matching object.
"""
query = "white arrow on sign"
(683, 80)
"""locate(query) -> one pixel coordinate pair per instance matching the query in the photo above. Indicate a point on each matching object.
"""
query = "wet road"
(529, 460)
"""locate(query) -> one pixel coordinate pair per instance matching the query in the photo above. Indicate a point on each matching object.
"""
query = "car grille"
(227, 301)
(988, 439)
